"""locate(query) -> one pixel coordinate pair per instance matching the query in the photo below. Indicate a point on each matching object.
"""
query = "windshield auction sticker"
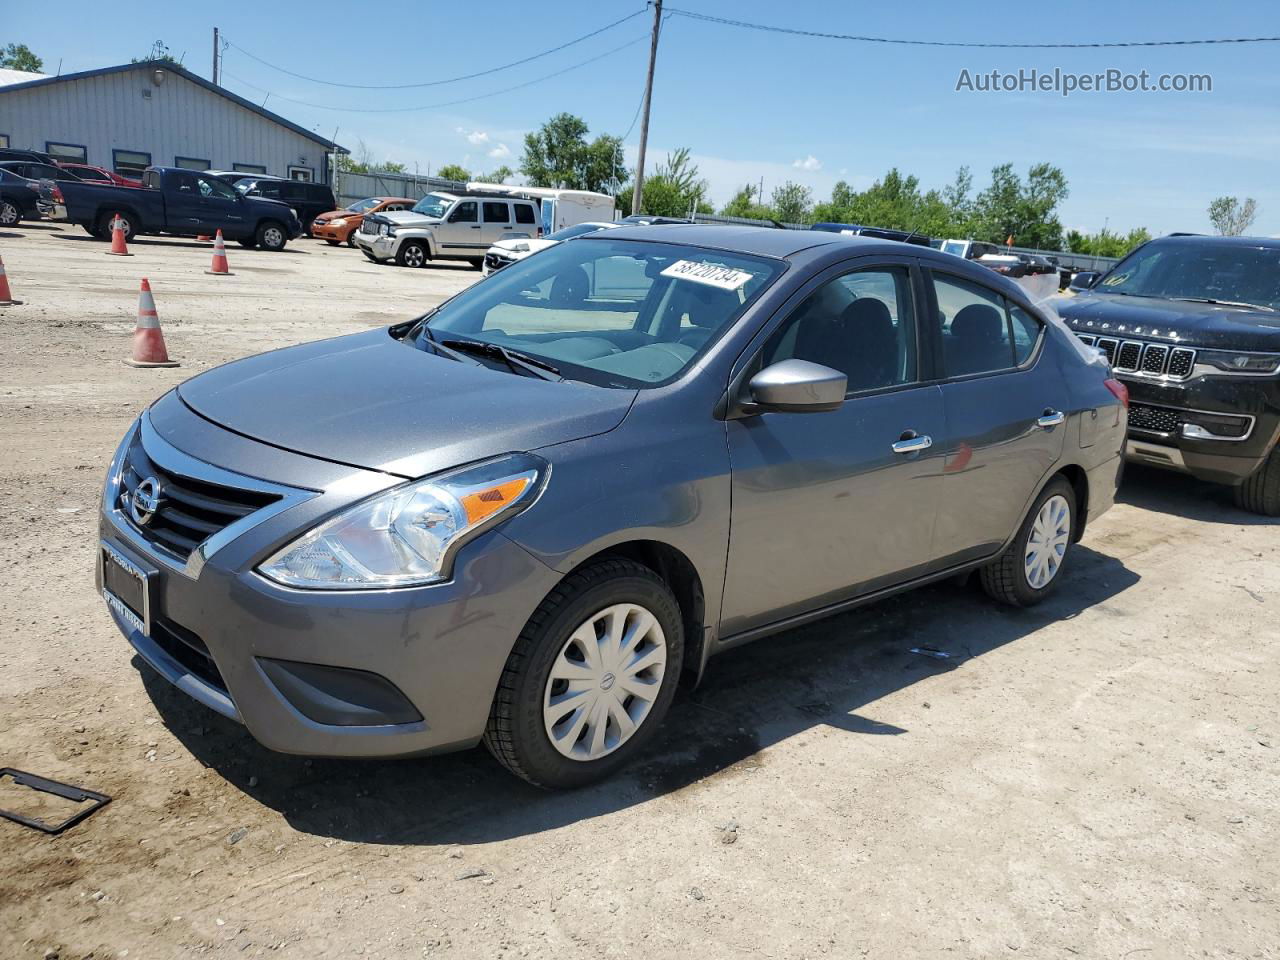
(713, 275)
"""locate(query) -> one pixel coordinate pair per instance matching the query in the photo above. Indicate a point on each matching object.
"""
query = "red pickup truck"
(92, 174)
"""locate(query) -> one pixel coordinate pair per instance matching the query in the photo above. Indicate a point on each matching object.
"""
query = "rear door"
(1005, 401)
(828, 506)
(495, 221)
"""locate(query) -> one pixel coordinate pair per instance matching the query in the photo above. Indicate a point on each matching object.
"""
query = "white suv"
(447, 226)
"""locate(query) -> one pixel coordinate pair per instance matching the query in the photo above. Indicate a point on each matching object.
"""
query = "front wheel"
(9, 214)
(590, 678)
(1261, 492)
(412, 254)
(271, 236)
(1031, 568)
(351, 239)
(332, 243)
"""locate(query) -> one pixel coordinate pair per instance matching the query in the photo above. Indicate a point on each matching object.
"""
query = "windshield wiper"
(512, 358)
(1226, 303)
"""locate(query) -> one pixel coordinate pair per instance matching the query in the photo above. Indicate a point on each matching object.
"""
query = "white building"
(156, 113)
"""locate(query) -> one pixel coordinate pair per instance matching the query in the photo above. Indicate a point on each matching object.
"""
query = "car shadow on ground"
(1167, 491)
(144, 242)
(828, 673)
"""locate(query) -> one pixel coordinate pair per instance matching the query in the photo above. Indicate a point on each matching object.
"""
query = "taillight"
(57, 194)
(1120, 390)
(539, 231)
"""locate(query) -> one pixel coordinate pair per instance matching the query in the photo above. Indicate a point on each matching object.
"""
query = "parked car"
(649, 220)
(971, 249)
(1038, 264)
(447, 226)
(19, 198)
(882, 233)
(235, 176)
(1191, 325)
(307, 200)
(10, 153)
(506, 252)
(1005, 264)
(340, 226)
(34, 170)
(177, 201)
(92, 174)
(509, 520)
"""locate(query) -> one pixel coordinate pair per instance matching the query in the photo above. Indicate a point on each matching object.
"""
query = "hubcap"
(273, 237)
(604, 682)
(413, 257)
(1047, 545)
(8, 214)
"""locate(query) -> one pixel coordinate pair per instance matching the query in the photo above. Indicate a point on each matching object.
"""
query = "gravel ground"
(1093, 778)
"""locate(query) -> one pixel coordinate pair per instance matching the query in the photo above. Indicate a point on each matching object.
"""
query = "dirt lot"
(1095, 778)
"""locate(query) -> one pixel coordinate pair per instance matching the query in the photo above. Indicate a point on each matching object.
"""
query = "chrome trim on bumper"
(1155, 454)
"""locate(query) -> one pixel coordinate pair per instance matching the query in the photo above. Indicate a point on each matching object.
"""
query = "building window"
(191, 163)
(304, 174)
(4, 140)
(248, 168)
(130, 163)
(69, 152)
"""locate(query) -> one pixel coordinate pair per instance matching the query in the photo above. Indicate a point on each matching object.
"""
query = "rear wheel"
(9, 213)
(105, 225)
(1031, 568)
(412, 254)
(590, 678)
(1261, 492)
(271, 236)
(332, 243)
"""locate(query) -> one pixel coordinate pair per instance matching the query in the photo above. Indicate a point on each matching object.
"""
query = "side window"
(1026, 331)
(496, 212)
(183, 183)
(975, 327)
(464, 212)
(268, 188)
(524, 213)
(213, 187)
(292, 192)
(861, 324)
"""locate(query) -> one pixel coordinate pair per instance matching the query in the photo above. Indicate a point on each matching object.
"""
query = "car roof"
(1198, 239)
(760, 241)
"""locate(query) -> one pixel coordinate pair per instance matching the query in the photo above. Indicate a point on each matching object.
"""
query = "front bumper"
(323, 231)
(323, 673)
(379, 247)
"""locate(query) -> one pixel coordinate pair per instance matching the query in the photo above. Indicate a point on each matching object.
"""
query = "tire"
(351, 239)
(477, 262)
(248, 244)
(10, 215)
(370, 256)
(271, 236)
(1012, 577)
(522, 717)
(92, 230)
(412, 253)
(1261, 492)
(332, 243)
(104, 229)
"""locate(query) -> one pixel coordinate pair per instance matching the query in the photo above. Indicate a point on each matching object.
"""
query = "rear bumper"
(52, 211)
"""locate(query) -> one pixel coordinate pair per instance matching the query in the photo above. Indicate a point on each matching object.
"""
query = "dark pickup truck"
(185, 203)
(1191, 325)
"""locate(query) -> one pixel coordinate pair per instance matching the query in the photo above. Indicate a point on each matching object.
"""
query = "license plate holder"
(126, 588)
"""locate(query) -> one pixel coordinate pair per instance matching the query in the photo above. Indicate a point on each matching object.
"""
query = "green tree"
(792, 202)
(674, 189)
(501, 175)
(18, 56)
(159, 53)
(453, 171)
(361, 160)
(1010, 207)
(745, 203)
(1104, 243)
(1230, 217)
(559, 155)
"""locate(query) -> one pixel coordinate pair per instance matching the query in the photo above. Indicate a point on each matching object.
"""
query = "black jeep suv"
(1191, 324)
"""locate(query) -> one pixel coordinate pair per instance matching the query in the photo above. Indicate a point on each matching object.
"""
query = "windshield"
(432, 205)
(955, 247)
(1225, 272)
(568, 233)
(360, 206)
(610, 312)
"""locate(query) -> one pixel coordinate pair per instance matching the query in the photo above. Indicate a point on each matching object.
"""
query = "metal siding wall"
(181, 118)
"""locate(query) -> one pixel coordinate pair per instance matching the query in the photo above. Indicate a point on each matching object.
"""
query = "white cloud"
(809, 163)
(475, 137)
(500, 152)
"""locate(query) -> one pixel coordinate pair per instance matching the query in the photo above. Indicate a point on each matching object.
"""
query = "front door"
(221, 207)
(1005, 402)
(460, 234)
(827, 506)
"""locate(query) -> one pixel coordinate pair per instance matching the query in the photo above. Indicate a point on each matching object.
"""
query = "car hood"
(369, 401)
(407, 218)
(1196, 324)
(523, 246)
(337, 214)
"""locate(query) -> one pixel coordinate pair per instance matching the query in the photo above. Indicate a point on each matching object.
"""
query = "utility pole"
(638, 195)
(215, 56)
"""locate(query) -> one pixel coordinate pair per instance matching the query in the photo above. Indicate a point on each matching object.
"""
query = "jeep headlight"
(1239, 362)
(408, 536)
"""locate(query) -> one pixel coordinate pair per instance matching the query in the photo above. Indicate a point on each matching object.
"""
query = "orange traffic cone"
(204, 238)
(220, 266)
(6, 298)
(148, 342)
(118, 249)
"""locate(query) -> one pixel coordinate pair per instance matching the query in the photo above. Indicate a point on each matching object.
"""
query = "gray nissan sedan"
(523, 517)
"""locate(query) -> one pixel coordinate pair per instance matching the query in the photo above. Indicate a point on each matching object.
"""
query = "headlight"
(408, 536)
(1240, 362)
(340, 222)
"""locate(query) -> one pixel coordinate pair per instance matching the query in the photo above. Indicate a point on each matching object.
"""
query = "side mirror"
(1084, 280)
(797, 386)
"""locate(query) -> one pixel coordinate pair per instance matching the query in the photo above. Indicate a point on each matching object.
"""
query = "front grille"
(190, 510)
(1088, 340)
(1169, 421)
(1129, 355)
(1154, 356)
(1181, 362)
(189, 650)
(1108, 347)
(368, 226)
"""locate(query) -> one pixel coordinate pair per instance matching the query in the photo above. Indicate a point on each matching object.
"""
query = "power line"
(436, 83)
(725, 21)
(448, 103)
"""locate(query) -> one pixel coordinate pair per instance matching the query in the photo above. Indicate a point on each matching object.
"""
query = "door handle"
(1051, 418)
(911, 443)
(475, 226)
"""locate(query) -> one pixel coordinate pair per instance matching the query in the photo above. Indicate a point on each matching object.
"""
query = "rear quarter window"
(524, 213)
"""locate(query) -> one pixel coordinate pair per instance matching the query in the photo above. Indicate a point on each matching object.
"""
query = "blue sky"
(752, 104)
